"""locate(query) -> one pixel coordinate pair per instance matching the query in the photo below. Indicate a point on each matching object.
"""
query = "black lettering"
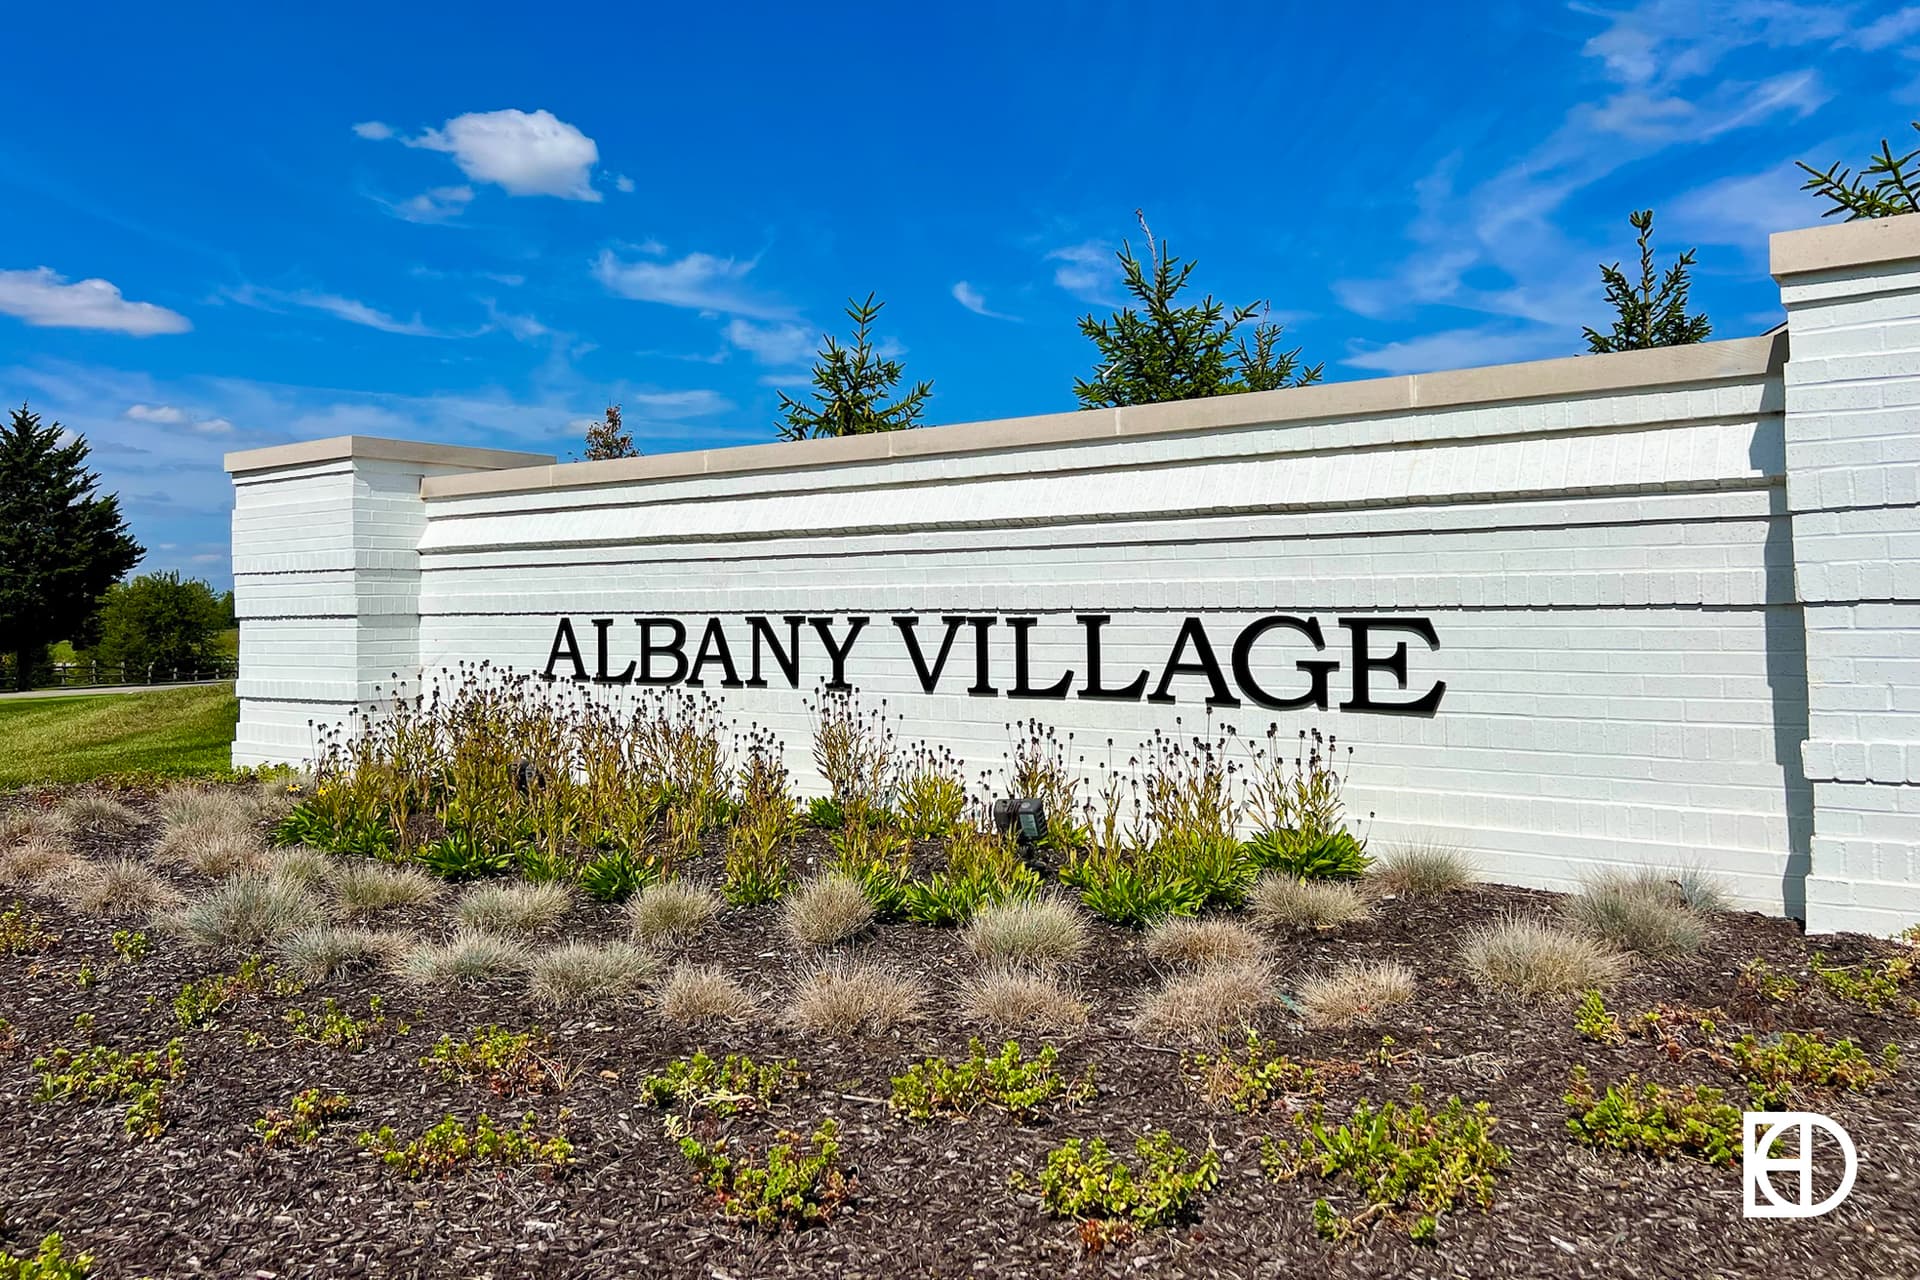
(787, 659)
(1194, 634)
(713, 648)
(1395, 664)
(564, 645)
(600, 626)
(982, 686)
(928, 679)
(838, 653)
(1021, 687)
(678, 648)
(1129, 692)
(1318, 669)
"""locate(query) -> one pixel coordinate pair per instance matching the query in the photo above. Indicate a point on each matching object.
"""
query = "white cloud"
(45, 299)
(164, 414)
(437, 205)
(213, 427)
(621, 182)
(698, 281)
(693, 404)
(1459, 349)
(373, 130)
(778, 343)
(351, 310)
(524, 153)
(973, 300)
(1088, 271)
(1742, 210)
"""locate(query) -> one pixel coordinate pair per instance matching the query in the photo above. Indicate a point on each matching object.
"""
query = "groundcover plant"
(513, 983)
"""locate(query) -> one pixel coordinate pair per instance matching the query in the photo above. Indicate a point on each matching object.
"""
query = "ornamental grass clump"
(320, 951)
(1021, 999)
(1208, 1002)
(1534, 960)
(1202, 944)
(1037, 932)
(364, 889)
(826, 910)
(670, 915)
(1422, 870)
(1288, 903)
(95, 813)
(213, 846)
(1355, 994)
(518, 910)
(698, 995)
(303, 866)
(1638, 912)
(244, 913)
(850, 997)
(467, 957)
(117, 888)
(38, 864)
(576, 975)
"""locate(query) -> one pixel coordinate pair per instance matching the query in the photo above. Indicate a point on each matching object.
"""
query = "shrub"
(1201, 944)
(827, 910)
(48, 1262)
(197, 1002)
(617, 875)
(1534, 960)
(850, 997)
(1310, 855)
(1422, 870)
(1094, 1183)
(1207, 1002)
(695, 994)
(801, 1182)
(1018, 999)
(117, 887)
(1041, 931)
(1255, 1078)
(1636, 913)
(577, 974)
(514, 909)
(466, 957)
(95, 813)
(362, 889)
(722, 1087)
(1133, 892)
(1288, 902)
(335, 1028)
(1402, 1159)
(322, 950)
(244, 913)
(1355, 995)
(1656, 1119)
(1874, 986)
(667, 915)
(451, 1146)
(1777, 1068)
(514, 1064)
(939, 1086)
(302, 1120)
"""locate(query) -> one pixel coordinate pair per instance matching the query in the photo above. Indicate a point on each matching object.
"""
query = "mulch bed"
(933, 1199)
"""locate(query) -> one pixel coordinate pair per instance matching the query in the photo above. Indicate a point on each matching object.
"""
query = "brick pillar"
(1852, 293)
(326, 579)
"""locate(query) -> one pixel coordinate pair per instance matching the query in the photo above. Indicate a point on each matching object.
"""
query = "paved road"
(111, 688)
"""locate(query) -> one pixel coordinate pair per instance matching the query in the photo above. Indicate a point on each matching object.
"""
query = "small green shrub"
(463, 855)
(514, 1064)
(1407, 1163)
(1639, 913)
(335, 1028)
(937, 1086)
(1656, 1119)
(302, 1120)
(452, 1145)
(131, 945)
(1777, 1068)
(22, 934)
(469, 956)
(197, 1002)
(1255, 1078)
(1594, 1021)
(1132, 893)
(1094, 1183)
(720, 1088)
(48, 1262)
(1310, 854)
(363, 889)
(802, 1181)
(1889, 985)
(102, 1074)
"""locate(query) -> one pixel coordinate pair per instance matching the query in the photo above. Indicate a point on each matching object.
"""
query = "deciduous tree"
(608, 439)
(159, 621)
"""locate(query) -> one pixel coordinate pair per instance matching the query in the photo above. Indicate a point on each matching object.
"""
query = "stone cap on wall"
(1663, 367)
(1836, 246)
(379, 449)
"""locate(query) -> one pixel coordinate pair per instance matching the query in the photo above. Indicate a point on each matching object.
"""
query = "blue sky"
(224, 227)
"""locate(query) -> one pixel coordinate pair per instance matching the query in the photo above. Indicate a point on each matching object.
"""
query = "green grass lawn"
(173, 733)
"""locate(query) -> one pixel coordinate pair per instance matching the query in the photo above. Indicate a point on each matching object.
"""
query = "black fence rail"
(82, 675)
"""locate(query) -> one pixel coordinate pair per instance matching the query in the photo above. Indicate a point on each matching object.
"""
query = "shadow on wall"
(1786, 630)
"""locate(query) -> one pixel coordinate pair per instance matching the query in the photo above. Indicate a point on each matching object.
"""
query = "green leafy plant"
(453, 1145)
(48, 1262)
(759, 868)
(1132, 893)
(721, 1088)
(335, 1028)
(302, 1120)
(1892, 984)
(1777, 1068)
(99, 1073)
(23, 934)
(1093, 1183)
(801, 1182)
(131, 945)
(930, 793)
(617, 875)
(1652, 313)
(1255, 1078)
(464, 856)
(1310, 855)
(1659, 1120)
(514, 1064)
(1407, 1163)
(1595, 1021)
(1886, 187)
(982, 870)
(198, 1002)
(824, 813)
(940, 1086)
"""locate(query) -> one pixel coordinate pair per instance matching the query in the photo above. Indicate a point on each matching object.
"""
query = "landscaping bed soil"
(932, 1199)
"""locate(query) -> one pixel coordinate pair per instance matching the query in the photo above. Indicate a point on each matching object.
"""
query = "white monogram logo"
(1759, 1131)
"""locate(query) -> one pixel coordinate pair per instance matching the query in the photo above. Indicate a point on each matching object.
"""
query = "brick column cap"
(1838, 246)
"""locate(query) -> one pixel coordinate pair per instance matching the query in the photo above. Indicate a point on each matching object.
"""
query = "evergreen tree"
(608, 439)
(1653, 314)
(851, 386)
(1894, 187)
(61, 546)
(160, 621)
(1170, 352)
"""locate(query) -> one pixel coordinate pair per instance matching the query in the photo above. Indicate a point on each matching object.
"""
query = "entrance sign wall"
(1645, 609)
